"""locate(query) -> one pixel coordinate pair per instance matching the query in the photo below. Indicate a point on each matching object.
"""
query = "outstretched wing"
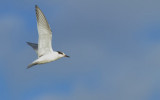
(45, 34)
(34, 46)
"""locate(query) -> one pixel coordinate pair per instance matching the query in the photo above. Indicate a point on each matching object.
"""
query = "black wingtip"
(27, 67)
(28, 43)
(36, 6)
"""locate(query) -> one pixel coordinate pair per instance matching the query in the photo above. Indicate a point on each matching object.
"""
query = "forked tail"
(31, 65)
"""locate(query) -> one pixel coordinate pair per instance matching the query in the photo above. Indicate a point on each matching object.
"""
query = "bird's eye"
(59, 52)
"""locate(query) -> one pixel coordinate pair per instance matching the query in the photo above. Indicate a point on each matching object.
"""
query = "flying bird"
(44, 47)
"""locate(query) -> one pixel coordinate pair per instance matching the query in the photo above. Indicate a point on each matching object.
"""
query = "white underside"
(47, 58)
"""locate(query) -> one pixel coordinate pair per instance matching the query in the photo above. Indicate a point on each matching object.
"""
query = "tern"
(44, 47)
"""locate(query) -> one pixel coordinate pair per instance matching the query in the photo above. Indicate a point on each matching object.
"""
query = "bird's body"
(44, 47)
(46, 59)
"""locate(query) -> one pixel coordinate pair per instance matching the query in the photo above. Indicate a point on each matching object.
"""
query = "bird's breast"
(48, 58)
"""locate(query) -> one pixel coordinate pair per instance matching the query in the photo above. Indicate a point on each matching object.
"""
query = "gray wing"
(34, 46)
(45, 34)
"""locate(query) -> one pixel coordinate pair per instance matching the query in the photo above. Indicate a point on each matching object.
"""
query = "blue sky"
(114, 47)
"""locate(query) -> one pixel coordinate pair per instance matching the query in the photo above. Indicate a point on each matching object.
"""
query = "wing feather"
(34, 46)
(45, 33)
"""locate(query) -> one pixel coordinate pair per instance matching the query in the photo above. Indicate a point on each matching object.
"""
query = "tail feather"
(31, 65)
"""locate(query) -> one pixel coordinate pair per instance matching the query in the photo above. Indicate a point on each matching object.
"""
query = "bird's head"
(61, 54)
